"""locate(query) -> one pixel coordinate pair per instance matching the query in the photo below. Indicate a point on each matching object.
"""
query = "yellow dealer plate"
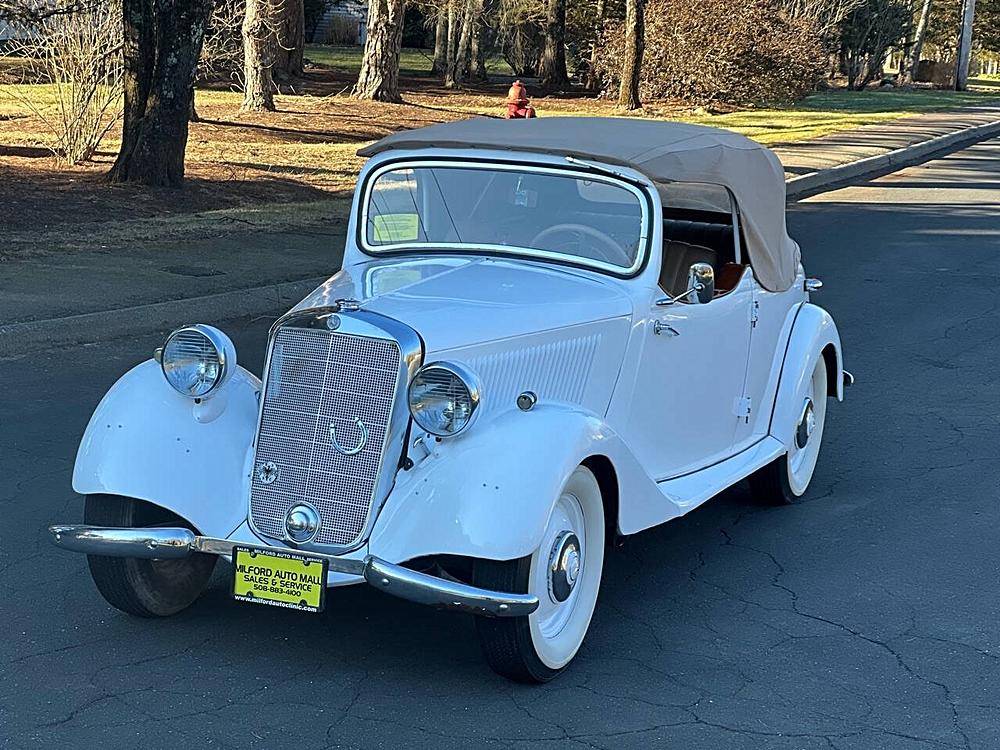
(279, 578)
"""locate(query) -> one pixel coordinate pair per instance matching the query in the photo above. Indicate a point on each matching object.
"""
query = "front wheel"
(564, 573)
(786, 479)
(144, 588)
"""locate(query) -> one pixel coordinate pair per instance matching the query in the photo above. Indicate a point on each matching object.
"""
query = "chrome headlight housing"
(443, 398)
(197, 359)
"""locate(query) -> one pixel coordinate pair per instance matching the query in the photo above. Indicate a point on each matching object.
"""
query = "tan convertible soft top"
(663, 151)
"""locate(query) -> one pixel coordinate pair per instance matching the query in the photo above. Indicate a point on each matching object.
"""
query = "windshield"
(555, 214)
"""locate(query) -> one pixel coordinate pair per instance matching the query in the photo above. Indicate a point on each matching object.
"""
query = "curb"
(89, 328)
(807, 184)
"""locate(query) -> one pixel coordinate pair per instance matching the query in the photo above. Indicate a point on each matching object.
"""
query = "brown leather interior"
(718, 237)
(678, 258)
(728, 277)
(688, 242)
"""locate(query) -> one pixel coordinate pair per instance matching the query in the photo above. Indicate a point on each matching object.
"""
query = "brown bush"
(748, 52)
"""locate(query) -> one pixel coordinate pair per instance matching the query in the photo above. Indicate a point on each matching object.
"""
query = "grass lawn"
(412, 61)
(829, 112)
(250, 169)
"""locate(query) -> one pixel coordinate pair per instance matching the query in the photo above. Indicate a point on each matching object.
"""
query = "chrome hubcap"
(564, 566)
(301, 523)
(807, 424)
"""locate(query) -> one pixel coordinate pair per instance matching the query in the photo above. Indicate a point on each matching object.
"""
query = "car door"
(689, 382)
(773, 318)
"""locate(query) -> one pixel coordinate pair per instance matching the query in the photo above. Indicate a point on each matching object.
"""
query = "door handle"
(659, 328)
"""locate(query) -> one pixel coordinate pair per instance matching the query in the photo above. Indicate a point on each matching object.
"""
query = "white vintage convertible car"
(546, 334)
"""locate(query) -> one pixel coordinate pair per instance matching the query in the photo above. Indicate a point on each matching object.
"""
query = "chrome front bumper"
(172, 543)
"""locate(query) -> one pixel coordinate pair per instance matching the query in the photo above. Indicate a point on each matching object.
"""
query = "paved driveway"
(865, 617)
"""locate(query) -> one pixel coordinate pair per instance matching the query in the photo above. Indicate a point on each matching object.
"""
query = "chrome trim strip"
(438, 592)
(151, 544)
(645, 230)
(174, 543)
(354, 323)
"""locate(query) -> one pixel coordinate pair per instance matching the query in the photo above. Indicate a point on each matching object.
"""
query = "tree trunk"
(479, 42)
(552, 69)
(635, 42)
(873, 70)
(909, 74)
(161, 51)
(451, 49)
(440, 64)
(592, 79)
(964, 55)
(258, 57)
(379, 76)
(139, 51)
(521, 60)
(459, 66)
(291, 39)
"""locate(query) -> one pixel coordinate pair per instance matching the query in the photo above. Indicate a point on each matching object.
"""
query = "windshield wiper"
(600, 168)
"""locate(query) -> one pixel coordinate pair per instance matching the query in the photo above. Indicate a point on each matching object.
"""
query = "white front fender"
(812, 333)
(488, 494)
(148, 442)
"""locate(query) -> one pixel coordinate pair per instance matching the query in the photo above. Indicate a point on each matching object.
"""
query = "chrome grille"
(315, 379)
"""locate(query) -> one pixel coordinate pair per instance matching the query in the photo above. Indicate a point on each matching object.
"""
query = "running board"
(691, 490)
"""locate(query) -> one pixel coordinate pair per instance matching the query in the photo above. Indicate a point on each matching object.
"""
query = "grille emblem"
(349, 451)
(267, 473)
(333, 322)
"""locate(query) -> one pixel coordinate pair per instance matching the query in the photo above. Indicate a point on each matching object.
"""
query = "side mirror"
(700, 288)
(701, 283)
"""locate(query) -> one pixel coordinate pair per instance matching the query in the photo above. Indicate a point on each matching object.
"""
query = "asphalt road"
(867, 616)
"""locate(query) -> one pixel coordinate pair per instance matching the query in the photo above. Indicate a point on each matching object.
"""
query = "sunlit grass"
(412, 61)
(817, 115)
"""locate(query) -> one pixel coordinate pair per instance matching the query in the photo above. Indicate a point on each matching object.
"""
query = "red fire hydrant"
(517, 102)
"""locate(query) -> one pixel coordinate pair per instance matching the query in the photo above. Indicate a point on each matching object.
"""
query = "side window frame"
(734, 211)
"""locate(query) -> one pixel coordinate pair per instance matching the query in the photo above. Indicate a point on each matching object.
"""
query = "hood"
(453, 301)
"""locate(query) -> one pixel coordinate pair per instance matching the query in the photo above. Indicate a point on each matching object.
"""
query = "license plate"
(279, 578)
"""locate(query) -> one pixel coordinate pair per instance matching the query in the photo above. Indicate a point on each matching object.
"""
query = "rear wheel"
(786, 479)
(564, 573)
(145, 588)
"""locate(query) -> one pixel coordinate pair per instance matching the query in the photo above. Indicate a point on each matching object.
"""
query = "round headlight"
(197, 359)
(443, 398)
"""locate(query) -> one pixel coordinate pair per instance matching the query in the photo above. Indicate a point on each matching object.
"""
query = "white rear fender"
(814, 336)
(488, 494)
(148, 442)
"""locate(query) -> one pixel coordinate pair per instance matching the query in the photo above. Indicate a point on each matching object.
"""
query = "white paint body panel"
(147, 441)
(680, 417)
(660, 408)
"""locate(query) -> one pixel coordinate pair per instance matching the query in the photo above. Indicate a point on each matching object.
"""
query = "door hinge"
(754, 313)
(742, 407)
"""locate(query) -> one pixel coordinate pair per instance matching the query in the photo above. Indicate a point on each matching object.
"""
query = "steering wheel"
(605, 246)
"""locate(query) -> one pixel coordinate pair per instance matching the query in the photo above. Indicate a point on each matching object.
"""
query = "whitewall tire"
(787, 479)
(564, 573)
